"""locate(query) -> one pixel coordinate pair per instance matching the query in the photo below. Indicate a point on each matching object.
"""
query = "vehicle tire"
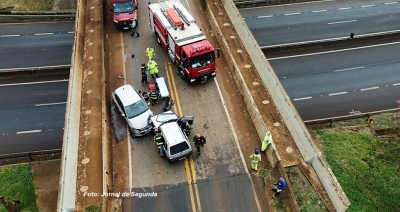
(182, 75)
(158, 40)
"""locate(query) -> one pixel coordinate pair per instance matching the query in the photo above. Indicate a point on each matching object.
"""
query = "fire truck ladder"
(181, 15)
(168, 19)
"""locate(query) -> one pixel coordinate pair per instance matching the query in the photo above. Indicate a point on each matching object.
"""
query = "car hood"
(123, 16)
(141, 120)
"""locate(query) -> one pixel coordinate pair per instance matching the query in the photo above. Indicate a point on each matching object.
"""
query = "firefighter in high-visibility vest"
(158, 138)
(255, 159)
(152, 66)
(150, 53)
(267, 141)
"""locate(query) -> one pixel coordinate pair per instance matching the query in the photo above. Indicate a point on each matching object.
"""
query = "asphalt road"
(320, 20)
(26, 45)
(344, 82)
(32, 114)
(218, 180)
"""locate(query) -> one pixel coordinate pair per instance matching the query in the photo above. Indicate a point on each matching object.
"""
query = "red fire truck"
(177, 32)
(124, 12)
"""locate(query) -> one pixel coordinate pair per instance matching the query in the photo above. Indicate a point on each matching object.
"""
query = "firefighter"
(152, 66)
(159, 139)
(267, 141)
(255, 159)
(198, 141)
(150, 53)
(144, 73)
(154, 96)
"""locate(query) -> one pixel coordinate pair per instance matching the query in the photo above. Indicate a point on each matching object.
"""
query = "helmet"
(268, 133)
(143, 64)
(257, 151)
(198, 135)
(156, 130)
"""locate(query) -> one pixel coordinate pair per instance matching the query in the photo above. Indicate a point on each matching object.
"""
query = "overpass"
(86, 160)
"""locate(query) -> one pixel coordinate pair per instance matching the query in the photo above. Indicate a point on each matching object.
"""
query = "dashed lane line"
(303, 98)
(6, 36)
(29, 131)
(339, 93)
(48, 104)
(371, 88)
(292, 13)
(348, 69)
(341, 22)
(319, 11)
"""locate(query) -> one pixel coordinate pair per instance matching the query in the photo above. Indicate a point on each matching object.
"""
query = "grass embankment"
(16, 182)
(24, 5)
(366, 167)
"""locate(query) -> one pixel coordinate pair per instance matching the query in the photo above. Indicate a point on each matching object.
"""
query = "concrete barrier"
(68, 172)
(283, 104)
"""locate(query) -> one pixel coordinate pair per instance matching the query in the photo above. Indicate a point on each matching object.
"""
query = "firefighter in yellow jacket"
(150, 53)
(255, 159)
(152, 66)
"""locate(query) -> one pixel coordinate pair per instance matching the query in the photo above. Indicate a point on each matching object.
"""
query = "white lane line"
(44, 33)
(265, 16)
(370, 5)
(344, 8)
(304, 98)
(6, 36)
(348, 69)
(29, 131)
(367, 89)
(292, 13)
(71, 32)
(319, 11)
(329, 52)
(395, 2)
(339, 93)
(31, 83)
(341, 22)
(396, 84)
(47, 104)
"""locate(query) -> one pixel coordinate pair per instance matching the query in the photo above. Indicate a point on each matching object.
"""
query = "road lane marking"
(29, 131)
(237, 144)
(371, 88)
(292, 13)
(319, 11)
(189, 165)
(370, 5)
(71, 32)
(6, 36)
(341, 22)
(265, 16)
(304, 98)
(340, 50)
(48, 104)
(348, 69)
(339, 93)
(344, 8)
(396, 84)
(49, 33)
(395, 2)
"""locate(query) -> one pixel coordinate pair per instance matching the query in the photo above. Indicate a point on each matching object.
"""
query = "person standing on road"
(154, 97)
(152, 66)
(267, 141)
(158, 138)
(198, 141)
(150, 53)
(255, 159)
(144, 73)
(134, 28)
(280, 184)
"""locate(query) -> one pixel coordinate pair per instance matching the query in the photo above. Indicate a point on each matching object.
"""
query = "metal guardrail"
(25, 157)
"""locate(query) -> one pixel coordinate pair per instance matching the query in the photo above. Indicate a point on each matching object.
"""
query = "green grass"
(16, 183)
(25, 5)
(367, 169)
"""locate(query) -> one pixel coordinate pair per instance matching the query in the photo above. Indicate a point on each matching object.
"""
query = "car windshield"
(123, 7)
(165, 117)
(136, 109)
(179, 148)
(202, 60)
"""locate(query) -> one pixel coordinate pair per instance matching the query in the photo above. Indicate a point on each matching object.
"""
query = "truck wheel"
(158, 40)
(182, 75)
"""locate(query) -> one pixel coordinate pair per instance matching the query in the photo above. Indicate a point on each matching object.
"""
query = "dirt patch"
(46, 182)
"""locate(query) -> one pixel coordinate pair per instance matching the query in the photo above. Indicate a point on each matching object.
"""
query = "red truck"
(177, 32)
(124, 12)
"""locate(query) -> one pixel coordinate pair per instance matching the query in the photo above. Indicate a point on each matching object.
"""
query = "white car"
(133, 109)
